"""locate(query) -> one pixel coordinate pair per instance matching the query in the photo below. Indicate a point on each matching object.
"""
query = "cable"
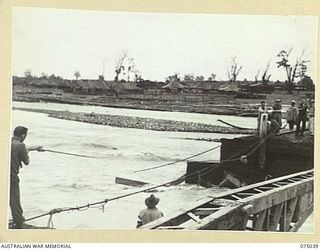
(174, 162)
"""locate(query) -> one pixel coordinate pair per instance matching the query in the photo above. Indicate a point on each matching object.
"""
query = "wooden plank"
(283, 182)
(258, 190)
(171, 228)
(277, 185)
(129, 182)
(266, 188)
(223, 219)
(266, 227)
(260, 221)
(283, 220)
(236, 197)
(290, 180)
(194, 217)
(274, 221)
(205, 211)
(292, 204)
(245, 194)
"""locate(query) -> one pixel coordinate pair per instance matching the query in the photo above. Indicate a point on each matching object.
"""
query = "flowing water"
(55, 180)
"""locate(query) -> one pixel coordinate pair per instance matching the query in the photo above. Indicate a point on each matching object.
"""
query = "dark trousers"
(300, 131)
(291, 124)
(15, 205)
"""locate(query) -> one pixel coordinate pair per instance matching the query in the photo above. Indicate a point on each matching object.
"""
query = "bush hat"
(152, 201)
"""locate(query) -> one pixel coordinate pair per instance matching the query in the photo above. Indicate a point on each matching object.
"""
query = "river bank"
(139, 122)
(203, 103)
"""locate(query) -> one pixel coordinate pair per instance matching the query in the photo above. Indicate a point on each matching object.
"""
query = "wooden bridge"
(281, 204)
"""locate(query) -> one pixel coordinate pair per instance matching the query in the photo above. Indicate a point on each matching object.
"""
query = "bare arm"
(36, 148)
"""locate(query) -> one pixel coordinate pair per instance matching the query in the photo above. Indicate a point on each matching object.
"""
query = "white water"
(55, 180)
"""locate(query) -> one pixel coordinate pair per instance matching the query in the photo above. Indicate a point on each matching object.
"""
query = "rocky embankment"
(139, 122)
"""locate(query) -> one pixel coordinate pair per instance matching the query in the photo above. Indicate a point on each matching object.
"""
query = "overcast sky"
(63, 41)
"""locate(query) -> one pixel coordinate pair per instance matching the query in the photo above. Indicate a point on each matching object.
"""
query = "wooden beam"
(194, 217)
(129, 182)
(266, 188)
(290, 211)
(282, 182)
(283, 220)
(266, 227)
(258, 190)
(205, 211)
(223, 219)
(276, 217)
(260, 221)
(247, 211)
(245, 194)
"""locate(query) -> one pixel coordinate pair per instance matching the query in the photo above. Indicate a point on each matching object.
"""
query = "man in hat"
(19, 155)
(292, 115)
(302, 118)
(151, 213)
(276, 112)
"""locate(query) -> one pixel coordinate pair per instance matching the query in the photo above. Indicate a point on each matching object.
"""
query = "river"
(54, 180)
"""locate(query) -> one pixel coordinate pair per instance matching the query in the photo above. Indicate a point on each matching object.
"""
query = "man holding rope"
(19, 155)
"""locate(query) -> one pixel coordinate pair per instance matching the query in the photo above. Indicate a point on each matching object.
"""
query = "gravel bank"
(140, 123)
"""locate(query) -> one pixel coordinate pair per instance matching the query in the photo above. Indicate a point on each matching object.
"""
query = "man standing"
(292, 115)
(19, 155)
(262, 110)
(276, 112)
(302, 118)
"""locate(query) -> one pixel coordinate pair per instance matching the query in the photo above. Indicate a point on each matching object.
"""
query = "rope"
(174, 162)
(65, 153)
(231, 125)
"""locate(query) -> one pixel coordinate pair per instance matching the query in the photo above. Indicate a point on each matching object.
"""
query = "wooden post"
(260, 221)
(283, 220)
(263, 129)
(247, 211)
(276, 217)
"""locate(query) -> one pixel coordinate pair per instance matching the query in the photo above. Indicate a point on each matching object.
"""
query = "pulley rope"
(255, 146)
(174, 162)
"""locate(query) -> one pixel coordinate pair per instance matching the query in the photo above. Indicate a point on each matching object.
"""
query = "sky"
(60, 42)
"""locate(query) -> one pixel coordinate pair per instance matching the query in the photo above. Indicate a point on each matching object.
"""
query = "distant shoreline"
(217, 108)
(139, 123)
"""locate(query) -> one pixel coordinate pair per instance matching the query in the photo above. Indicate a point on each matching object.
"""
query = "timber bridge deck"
(281, 204)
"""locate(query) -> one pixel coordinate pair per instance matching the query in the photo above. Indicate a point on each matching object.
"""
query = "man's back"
(19, 154)
(149, 214)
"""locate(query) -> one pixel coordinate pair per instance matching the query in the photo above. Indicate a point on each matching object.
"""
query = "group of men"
(296, 116)
(19, 156)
